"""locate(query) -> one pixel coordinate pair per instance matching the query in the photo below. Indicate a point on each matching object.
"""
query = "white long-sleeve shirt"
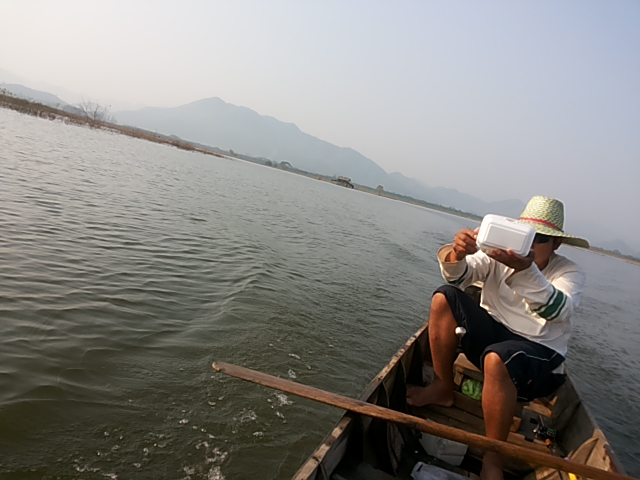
(535, 304)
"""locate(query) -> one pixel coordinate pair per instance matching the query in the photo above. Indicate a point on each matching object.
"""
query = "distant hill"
(45, 98)
(213, 122)
(618, 246)
(219, 124)
(452, 198)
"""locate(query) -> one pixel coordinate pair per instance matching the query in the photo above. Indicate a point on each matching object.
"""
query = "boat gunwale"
(319, 454)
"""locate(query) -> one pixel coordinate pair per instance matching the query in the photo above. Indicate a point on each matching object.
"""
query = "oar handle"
(443, 431)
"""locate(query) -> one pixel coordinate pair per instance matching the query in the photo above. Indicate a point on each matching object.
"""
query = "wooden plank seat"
(463, 367)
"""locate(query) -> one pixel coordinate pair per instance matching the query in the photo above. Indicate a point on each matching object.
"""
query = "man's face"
(544, 246)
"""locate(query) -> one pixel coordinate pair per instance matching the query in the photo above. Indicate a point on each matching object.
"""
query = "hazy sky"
(498, 99)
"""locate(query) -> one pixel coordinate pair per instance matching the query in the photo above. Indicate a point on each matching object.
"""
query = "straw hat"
(546, 215)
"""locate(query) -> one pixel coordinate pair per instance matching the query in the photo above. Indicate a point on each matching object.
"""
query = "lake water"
(127, 268)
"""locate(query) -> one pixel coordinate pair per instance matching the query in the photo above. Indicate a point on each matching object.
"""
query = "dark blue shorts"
(530, 364)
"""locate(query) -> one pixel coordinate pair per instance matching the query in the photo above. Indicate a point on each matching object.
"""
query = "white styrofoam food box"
(446, 450)
(424, 471)
(505, 233)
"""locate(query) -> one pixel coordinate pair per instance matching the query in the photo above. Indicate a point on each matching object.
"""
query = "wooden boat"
(343, 181)
(361, 447)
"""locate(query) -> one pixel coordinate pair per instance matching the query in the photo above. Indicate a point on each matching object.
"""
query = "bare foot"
(491, 467)
(435, 394)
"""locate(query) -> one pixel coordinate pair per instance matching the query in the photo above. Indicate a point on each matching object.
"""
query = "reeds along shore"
(50, 113)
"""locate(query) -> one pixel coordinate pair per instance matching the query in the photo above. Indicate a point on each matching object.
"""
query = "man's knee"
(494, 366)
(439, 303)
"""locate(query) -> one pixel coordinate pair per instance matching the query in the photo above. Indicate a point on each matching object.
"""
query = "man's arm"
(554, 300)
(549, 300)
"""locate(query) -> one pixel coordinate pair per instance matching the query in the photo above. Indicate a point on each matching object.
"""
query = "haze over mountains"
(216, 123)
(219, 124)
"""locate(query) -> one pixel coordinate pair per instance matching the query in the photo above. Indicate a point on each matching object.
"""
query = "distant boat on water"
(344, 181)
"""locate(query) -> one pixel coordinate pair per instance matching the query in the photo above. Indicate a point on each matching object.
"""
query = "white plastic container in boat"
(423, 471)
(505, 233)
(446, 450)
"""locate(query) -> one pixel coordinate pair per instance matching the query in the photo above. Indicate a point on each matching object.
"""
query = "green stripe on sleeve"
(552, 297)
(557, 314)
(553, 309)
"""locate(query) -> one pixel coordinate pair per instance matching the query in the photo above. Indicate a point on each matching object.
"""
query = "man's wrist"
(447, 255)
(453, 257)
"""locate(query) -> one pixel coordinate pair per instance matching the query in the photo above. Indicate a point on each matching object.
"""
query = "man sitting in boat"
(519, 333)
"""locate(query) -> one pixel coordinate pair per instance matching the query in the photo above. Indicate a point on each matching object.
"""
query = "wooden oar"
(417, 423)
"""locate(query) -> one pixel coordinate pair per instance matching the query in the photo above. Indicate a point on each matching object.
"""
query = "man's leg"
(443, 342)
(499, 399)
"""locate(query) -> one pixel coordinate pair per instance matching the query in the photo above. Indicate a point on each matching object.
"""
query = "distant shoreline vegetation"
(96, 116)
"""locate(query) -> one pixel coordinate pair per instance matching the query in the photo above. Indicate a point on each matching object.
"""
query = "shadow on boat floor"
(413, 453)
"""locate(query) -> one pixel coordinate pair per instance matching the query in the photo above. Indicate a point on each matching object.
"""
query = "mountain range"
(215, 123)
